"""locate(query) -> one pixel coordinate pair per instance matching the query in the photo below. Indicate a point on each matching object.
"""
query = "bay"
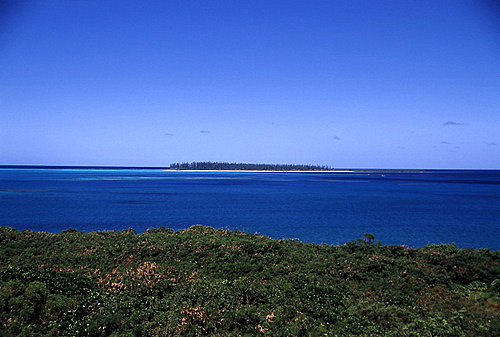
(406, 208)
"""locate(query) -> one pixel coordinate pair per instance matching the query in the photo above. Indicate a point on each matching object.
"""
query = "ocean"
(404, 208)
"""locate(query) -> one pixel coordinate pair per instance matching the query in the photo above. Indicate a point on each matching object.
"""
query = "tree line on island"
(247, 167)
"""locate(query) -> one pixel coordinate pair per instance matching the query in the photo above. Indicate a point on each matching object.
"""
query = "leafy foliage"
(205, 281)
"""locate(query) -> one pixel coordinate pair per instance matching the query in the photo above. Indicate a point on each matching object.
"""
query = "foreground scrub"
(205, 281)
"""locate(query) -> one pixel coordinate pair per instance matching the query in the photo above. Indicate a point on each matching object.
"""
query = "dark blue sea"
(405, 208)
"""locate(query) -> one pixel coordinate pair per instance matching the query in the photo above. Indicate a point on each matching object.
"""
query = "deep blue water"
(413, 209)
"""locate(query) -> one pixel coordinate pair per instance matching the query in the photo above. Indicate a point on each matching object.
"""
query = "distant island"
(247, 167)
(220, 166)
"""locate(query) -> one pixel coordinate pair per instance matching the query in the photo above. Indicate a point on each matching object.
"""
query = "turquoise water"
(411, 208)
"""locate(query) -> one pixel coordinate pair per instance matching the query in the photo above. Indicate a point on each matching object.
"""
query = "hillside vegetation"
(211, 282)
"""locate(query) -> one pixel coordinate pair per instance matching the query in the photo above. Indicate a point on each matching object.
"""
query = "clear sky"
(350, 84)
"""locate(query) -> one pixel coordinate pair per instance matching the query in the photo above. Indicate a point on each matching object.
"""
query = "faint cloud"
(492, 144)
(449, 123)
(204, 131)
(443, 142)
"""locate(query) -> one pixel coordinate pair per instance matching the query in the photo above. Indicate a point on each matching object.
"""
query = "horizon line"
(124, 167)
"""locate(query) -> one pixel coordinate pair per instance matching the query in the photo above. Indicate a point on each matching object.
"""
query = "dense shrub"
(205, 281)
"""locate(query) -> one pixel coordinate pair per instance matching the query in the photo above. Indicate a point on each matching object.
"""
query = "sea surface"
(404, 208)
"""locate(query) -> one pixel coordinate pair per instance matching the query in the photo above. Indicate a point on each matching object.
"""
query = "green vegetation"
(204, 281)
(248, 167)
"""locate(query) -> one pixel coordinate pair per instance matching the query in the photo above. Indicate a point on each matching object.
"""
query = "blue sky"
(380, 84)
